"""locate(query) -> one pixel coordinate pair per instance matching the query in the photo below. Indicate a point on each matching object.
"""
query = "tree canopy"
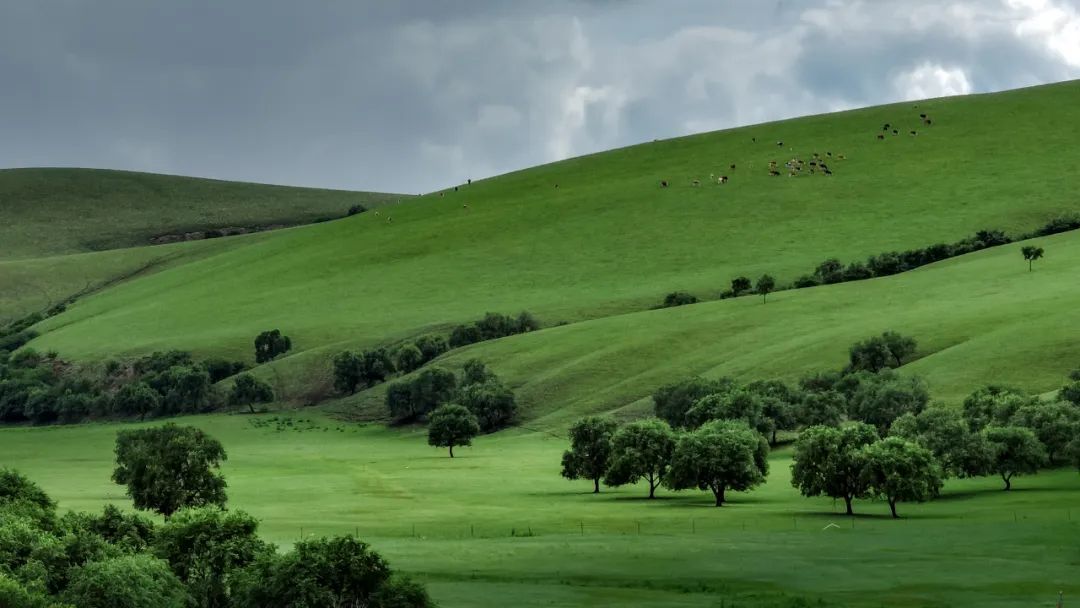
(900, 471)
(828, 461)
(721, 455)
(641, 450)
(590, 449)
(452, 425)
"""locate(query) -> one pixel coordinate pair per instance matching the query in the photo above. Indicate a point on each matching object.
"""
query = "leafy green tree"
(739, 404)
(408, 357)
(431, 346)
(901, 471)
(347, 376)
(170, 467)
(450, 425)
(779, 405)
(679, 298)
(1071, 391)
(136, 399)
(463, 335)
(16, 488)
(130, 581)
(249, 390)
(740, 285)
(830, 271)
(130, 532)
(15, 595)
(870, 355)
(721, 455)
(491, 402)
(376, 366)
(590, 449)
(270, 344)
(339, 571)
(829, 461)
(885, 399)
(206, 548)
(944, 432)
(901, 348)
(1015, 450)
(992, 405)
(641, 450)
(822, 408)
(408, 400)
(187, 389)
(476, 372)
(765, 285)
(220, 369)
(1031, 253)
(1055, 424)
(672, 401)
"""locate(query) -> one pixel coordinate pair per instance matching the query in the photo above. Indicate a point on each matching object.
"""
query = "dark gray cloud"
(411, 96)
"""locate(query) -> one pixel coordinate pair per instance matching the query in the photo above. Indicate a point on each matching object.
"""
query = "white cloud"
(932, 80)
(1055, 26)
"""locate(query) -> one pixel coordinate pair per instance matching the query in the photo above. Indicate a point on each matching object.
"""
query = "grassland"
(449, 522)
(609, 239)
(48, 212)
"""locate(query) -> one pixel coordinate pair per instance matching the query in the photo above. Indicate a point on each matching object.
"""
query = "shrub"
(135, 399)
(679, 298)
(220, 369)
(490, 402)
(408, 357)
(464, 335)
(356, 209)
(431, 347)
(249, 390)
(270, 344)
(133, 581)
(407, 400)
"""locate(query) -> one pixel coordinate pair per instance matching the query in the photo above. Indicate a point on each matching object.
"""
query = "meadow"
(497, 523)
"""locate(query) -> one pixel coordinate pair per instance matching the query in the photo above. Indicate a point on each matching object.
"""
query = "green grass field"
(449, 522)
(498, 525)
(49, 212)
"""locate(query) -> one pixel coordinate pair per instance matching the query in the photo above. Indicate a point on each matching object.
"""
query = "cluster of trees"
(720, 455)
(269, 344)
(765, 285)
(44, 389)
(364, 369)
(456, 410)
(491, 327)
(203, 555)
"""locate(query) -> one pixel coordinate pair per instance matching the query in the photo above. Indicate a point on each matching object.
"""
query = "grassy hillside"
(449, 522)
(55, 211)
(609, 239)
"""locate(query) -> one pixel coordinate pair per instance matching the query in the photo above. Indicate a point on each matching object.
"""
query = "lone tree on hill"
(249, 390)
(641, 450)
(765, 285)
(170, 467)
(899, 470)
(451, 425)
(829, 462)
(739, 285)
(590, 450)
(1031, 253)
(721, 455)
(1016, 451)
(270, 344)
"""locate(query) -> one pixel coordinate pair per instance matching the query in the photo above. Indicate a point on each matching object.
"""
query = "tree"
(15, 595)
(590, 450)
(16, 488)
(376, 366)
(206, 548)
(187, 389)
(739, 404)
(347, 372)
(830, 271)
(451, 425)
(408, 357)
(829, 462)
(901, 348)
(1073, 452)
(431, 346)
(870, 355)
(992, 405)
(886, 398)
(721, 455)
(408, 400)
(1071, 391)
(679, 298)
(1015, 451)
(780, 405)
(136, 399)
(739, 285)
(340, 571)
(672, 401)
(1031, 253)
(492, 403)
(901, 471)
(822, 409)
(219, 369)
(249, 390)
(270, 344)
(641, 450)
(170, 467)
(943, 431)
(476, 372)
(765, 285)
(1055, 424)
(131, 581)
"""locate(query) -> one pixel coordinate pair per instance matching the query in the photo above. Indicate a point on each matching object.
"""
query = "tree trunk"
(773, 437)
(1008, 481)
(719, 494)
(652, 487)
(451, 451)
(1029, 265)
(763, 296)
(596, 486)
(892, 507)
(847, 502)
(251, 406)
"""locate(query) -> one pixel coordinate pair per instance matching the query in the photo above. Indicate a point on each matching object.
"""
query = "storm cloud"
(413, 96)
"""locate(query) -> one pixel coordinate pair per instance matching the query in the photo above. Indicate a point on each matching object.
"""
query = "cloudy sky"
(410, 96)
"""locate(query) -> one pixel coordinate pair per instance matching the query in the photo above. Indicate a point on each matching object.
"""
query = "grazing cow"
(914, 133)
(465, 206)
(723, 179)
(886, 127)
(696, 182)
(663, 183)
(774, 172)
(780, 143)
(753, 140)
(828, 172)
(389, 220)
(376, 212)
(895, 132)
(556, 186)
(455, 189)
(440, 195)
(732, 166)
(922, 116)
(469, 181)
(928, 121)
(880, 136)
(828, 154)
(813, 163)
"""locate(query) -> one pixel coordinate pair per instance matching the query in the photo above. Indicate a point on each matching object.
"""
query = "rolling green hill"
(609, 239)
(57, 211)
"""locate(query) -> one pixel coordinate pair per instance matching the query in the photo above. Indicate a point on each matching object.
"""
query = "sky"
(409, 96)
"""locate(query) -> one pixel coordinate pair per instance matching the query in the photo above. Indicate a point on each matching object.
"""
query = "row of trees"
(492, 327)
(201, 556)
(765, 285)
(43, 388)
(364, 369)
